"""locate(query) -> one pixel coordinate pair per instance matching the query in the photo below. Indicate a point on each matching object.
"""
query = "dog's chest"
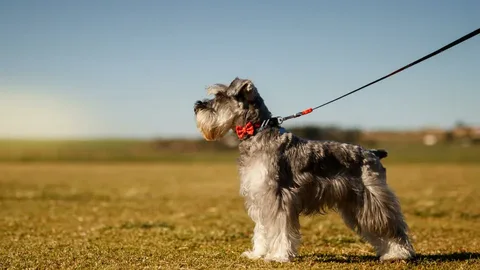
(253, 177)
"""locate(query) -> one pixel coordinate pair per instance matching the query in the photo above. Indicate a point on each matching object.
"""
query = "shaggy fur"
(283, 176)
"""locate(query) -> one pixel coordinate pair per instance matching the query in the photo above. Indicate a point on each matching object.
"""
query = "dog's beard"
(213, 127)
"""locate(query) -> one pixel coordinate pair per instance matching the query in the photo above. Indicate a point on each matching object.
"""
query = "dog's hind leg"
(350, 219)
(379, 216)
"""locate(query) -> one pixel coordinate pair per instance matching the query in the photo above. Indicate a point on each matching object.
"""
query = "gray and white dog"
(283, 176)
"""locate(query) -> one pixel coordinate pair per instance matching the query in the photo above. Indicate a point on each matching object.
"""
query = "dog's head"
(232, 105)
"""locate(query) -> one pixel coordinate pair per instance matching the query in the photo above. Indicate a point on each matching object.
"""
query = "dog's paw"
(251, 255)
(397, 252)
(277, 258)
(395, 258)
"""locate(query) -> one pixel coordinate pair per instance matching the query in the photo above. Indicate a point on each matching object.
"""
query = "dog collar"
(251, 129)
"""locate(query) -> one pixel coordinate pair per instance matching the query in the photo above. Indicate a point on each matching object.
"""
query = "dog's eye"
(239, 97)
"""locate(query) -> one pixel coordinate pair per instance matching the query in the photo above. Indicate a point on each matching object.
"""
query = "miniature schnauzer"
(283, 176)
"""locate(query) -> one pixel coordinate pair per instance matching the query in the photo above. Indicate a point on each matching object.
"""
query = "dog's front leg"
(259, 239)
(282, 225)
(272, 208)
(283, 237)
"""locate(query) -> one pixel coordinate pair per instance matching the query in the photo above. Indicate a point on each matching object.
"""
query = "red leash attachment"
(307, 111)
(282, 119)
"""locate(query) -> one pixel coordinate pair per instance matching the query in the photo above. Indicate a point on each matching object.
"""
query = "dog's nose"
(198, 105)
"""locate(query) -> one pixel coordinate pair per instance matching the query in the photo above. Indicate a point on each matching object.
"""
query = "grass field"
(189, 215)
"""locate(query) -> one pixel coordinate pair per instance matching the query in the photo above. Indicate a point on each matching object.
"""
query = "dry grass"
(170, 216)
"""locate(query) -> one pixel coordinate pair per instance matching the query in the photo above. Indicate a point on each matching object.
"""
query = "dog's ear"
(216, 88)
(242, 87)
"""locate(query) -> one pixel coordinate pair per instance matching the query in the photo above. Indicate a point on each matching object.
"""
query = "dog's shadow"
(419, 259)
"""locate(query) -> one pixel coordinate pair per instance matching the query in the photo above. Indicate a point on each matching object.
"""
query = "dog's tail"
(380, 153)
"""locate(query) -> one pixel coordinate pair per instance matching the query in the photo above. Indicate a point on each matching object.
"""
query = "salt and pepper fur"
(283, 176)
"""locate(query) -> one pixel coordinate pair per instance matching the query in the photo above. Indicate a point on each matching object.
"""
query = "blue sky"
(135, 68)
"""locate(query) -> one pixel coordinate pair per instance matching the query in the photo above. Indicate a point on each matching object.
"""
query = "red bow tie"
(248, 129)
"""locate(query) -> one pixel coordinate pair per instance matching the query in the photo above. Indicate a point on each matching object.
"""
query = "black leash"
(444, 48)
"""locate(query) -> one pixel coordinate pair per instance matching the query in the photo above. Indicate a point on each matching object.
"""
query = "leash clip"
(279, 120)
